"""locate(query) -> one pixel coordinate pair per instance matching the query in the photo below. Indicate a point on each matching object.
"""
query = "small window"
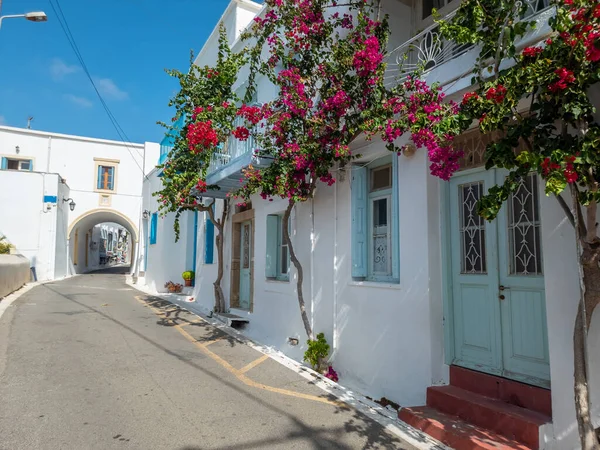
(278, 254)
(153, 228)
(381, 178)
(106, 178)
(375, 249)
(17, 164)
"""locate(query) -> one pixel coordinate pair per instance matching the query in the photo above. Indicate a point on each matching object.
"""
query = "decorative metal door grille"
(472, 230)
(381, 237)
(525, 255)
(246, 238)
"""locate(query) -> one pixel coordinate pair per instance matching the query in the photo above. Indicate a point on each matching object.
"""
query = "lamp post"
(35, 16)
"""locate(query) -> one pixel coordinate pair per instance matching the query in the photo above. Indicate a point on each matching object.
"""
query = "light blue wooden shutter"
(209, 241)
(153, 226)
(272, 238)
(359, 222)
(99, 183)
(31, 165)
(395, 220)
(4, 163)
(111, 180)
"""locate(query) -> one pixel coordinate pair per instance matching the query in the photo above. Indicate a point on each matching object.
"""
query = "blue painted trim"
(147, 249)
(153, 228)
(395, 220)
(50, 198)
(195, 241)
(209, 241)
(448, 321)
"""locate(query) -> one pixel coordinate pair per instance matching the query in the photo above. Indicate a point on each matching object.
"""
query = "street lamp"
(71, 203)
(35, 16)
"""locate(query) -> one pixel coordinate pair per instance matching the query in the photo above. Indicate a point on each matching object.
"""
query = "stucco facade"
(78, 162)
(396, 339)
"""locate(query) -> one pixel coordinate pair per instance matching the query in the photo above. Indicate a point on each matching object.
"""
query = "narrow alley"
(91, 363)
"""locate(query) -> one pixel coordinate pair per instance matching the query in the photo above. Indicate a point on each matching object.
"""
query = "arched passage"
(80, 236)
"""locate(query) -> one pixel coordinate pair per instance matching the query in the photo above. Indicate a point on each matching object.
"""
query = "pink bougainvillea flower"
(496, 94)
(532, 52)
(468, 96)
(332, 374)
(241, 133)
(565, 77)
(201, 135)
(592, 45)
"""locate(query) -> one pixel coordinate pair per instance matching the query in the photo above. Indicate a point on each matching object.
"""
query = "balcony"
(226, 166)
(444, 61)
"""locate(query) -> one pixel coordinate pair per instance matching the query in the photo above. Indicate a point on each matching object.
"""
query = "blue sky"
(126, 45)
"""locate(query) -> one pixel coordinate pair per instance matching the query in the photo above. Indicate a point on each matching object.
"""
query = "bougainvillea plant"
(206, 101)
(541, 103)
(327, 63)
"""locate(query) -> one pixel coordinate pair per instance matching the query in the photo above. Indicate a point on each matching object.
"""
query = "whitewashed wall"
(32, 225)
(73, 157)
(166, 260)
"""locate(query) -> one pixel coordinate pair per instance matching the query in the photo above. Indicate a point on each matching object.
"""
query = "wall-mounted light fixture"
(145, 214)
(409, 150)
(71, 203)
(17, 150)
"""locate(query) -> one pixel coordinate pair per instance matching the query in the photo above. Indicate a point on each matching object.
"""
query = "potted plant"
(188, 276)
(173, 287)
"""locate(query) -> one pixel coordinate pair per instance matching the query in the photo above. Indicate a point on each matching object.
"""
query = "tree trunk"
(220, 226)
(299, 270)
(582, 394)
(219, 297)
(589, 285)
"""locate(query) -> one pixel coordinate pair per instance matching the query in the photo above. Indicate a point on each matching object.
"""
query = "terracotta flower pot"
(188, 282)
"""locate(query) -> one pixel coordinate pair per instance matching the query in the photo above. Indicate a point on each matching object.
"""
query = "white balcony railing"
(232, 150)
(428, 50)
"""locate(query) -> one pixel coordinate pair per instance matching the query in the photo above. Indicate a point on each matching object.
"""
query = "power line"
(62, 20)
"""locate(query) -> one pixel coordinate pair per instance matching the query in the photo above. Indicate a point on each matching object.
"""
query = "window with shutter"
(277, 254)
(17, 164)
(375, 229)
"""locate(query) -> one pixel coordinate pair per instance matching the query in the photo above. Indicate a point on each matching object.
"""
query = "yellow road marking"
(207, 343)
(240, 373)
(254, 363)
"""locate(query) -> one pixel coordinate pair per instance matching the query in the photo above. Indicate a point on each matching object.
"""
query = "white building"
(104, 180)
(471, 319)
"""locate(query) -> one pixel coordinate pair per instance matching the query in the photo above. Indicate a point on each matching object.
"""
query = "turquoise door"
(498, 304)
(245, 264)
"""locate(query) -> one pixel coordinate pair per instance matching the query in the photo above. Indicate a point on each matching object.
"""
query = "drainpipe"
(335, 272)
(312, 263)
(49, 153)
(135, 271)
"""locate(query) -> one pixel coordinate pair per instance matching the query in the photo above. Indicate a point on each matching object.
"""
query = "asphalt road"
(90, 363)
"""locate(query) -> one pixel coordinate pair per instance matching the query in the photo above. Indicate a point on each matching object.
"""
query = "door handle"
(503, 288)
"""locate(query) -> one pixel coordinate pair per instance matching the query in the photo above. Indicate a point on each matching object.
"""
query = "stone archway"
(77, 235)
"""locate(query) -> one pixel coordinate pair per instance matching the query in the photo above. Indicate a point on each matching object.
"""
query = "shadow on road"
(321, 438)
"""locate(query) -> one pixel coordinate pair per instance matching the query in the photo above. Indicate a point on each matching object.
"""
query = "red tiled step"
(509, 391)
(454, 432)
(510, 421)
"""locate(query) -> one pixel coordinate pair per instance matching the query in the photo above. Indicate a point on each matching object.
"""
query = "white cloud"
(79, 101)
(109, 89)
(2, 120)
(59, 69)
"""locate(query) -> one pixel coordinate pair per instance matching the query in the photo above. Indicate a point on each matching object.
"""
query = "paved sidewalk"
(90, 363)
